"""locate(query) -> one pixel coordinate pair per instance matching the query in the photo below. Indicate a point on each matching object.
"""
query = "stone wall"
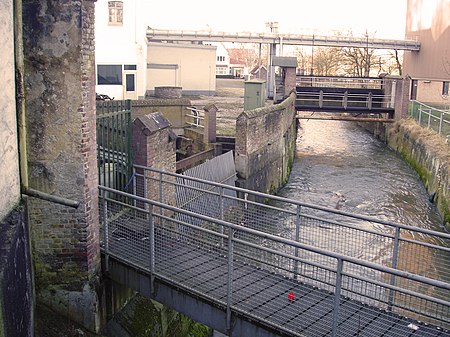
(60, 103)
(9, 184)
(265, 145)
(429, 155)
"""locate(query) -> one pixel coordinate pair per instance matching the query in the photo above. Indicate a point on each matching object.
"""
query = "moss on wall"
(429, 155)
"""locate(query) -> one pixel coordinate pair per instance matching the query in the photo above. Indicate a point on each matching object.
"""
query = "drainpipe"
(20, 95)
(21, 116)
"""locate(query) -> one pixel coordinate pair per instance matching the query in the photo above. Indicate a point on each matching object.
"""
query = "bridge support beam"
(197, 308)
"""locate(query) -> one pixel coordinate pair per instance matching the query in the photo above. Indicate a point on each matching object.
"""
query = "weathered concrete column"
(397, 90)
(210, 123)
(61, 118)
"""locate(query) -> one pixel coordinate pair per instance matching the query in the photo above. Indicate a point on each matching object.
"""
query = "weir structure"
(279, 268)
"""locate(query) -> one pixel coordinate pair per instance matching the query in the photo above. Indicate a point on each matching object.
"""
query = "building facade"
(121, 48)
(189, 66)
(222, 60)
(429, 69)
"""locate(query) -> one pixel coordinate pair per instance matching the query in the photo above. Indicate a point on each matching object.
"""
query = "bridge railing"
(345, 100)
(437, 119)
(153, 237)
(339, 82)
(407, 248)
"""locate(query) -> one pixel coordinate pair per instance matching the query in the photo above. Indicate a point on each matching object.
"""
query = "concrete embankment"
(429, 154)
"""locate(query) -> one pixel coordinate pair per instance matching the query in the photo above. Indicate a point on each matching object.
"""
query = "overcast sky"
(381, 18)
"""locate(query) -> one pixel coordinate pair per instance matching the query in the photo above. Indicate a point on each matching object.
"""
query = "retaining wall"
(429, 154)
(265, 146)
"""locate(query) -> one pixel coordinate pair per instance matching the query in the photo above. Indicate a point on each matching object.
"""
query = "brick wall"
(154, 147)
(60, 103)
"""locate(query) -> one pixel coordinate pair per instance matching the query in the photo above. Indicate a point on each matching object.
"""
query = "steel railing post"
(152, 249)
(160, 190)
(441, 120)
(337, 297)
(297, 238)
(394, 266)
(134, 186)
(420, 113)
(106, 230)
(230, 278)
(221, 214)
(429, 118)
(145, 188)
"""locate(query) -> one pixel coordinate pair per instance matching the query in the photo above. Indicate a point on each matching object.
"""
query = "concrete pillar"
(61, 117)
(398, 87)
(210, 123)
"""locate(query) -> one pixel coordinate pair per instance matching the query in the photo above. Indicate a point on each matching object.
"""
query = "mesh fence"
(296, 287)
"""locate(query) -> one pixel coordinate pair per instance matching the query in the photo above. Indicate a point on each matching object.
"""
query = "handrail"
(289, 242)
(265, 196)
(341, 283)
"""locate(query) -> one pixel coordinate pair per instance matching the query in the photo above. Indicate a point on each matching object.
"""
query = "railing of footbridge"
(248, 238)
(343, 101)
(399, 246)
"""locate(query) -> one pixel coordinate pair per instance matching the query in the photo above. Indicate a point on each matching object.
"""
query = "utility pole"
(273, 27)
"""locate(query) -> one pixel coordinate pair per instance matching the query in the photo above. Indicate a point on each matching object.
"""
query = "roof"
(153, 122)
(284, 61)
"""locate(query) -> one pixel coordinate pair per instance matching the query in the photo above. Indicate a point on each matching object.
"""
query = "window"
(129, 67)
(445, 87)
(109, 74)
(115, 12)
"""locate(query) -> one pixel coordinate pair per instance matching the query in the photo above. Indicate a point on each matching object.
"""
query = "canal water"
(340, 165)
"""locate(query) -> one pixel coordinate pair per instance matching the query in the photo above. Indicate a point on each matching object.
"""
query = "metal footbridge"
(251, 264)
(360, 98)
(158, 35)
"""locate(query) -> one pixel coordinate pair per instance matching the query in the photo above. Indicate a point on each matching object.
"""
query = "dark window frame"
(109, 74)
(445, 88)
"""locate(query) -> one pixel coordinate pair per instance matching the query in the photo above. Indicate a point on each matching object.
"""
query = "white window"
(115, 12)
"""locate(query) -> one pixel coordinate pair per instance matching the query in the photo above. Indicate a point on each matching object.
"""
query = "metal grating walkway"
(263, 295)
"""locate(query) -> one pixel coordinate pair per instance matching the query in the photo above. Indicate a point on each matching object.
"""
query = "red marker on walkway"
(291, 296)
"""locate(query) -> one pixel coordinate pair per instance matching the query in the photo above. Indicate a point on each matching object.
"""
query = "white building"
(130, 68)
(121, 48)
(222, 60)
(189, 66)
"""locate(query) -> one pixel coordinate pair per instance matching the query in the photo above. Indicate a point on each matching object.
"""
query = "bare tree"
(359, 61)
(303, 60)
(327, 61)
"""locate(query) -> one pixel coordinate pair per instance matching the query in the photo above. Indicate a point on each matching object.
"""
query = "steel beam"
(154, 35)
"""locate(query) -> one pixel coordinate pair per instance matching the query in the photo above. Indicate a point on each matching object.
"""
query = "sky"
(381, 18)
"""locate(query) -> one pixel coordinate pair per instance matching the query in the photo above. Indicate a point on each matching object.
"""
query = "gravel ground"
(229, 100)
